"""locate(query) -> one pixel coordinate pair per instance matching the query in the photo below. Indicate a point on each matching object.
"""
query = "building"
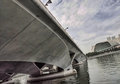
(114, 40)
(102, 46)
(111, 41)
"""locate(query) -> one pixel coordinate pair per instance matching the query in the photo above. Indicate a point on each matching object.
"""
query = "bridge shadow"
(82, 77)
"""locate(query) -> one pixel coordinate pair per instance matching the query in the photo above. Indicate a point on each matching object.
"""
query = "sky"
(88, 21)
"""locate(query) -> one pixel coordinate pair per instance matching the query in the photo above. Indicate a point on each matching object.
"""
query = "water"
(105, 69)
(82, 77)
(101, 70)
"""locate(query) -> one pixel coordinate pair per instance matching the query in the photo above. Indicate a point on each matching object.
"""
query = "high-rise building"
(114, 40)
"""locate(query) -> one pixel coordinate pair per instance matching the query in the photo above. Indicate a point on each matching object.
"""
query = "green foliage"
(102, 52)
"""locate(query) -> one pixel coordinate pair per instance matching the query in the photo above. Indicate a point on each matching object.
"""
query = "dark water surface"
(82, 77)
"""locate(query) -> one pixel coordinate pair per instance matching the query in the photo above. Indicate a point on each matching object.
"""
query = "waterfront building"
(111, 42)
(102, 46)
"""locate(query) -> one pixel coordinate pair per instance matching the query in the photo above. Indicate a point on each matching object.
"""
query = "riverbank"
(104, 54)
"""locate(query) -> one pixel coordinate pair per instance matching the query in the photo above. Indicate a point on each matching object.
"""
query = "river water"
(104, 70)
(101, 70)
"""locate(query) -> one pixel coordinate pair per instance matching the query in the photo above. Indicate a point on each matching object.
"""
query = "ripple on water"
(105, 69)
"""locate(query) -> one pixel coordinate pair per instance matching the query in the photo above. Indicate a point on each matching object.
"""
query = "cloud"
(89, 21)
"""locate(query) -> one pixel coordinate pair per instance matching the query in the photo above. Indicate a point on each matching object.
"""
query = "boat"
(32, 42)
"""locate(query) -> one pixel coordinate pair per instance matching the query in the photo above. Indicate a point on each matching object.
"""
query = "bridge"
(32, 40)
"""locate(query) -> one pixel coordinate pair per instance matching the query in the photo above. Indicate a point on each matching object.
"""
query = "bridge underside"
(30, 38)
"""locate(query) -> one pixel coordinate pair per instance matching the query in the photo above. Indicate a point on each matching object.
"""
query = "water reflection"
(102, 70)
(105, 69)
(82, 76)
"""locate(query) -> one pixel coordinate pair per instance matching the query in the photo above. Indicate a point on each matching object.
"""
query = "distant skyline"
(89, 21)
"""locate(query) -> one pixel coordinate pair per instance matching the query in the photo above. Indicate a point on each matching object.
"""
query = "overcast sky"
(89, 21)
